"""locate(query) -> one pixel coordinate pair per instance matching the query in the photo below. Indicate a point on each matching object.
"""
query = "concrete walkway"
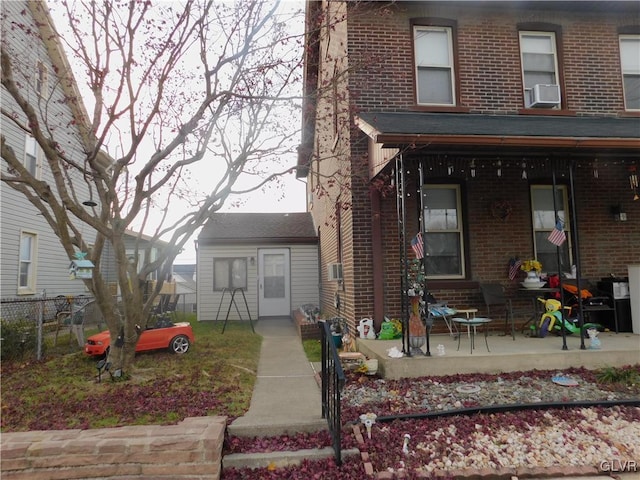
(286, 397)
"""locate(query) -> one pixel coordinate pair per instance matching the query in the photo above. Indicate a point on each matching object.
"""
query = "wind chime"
(633, 181)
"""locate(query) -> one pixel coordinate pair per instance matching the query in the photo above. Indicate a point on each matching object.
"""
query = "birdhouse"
(80, 268)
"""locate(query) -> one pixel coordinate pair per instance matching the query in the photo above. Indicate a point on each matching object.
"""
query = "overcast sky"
(286, 195)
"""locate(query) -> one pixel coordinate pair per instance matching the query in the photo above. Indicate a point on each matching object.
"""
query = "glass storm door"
(274, 289)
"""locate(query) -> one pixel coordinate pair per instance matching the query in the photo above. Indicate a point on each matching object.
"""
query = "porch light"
(472, 166)
(595, 168)
(524, 170)
(499, 172)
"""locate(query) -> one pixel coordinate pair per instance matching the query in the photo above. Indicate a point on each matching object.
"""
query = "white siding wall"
(304, 280)
(16, 214)
(208, 300)
(304, 275)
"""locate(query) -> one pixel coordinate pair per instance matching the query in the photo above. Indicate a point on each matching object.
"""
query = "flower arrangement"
(531, 265)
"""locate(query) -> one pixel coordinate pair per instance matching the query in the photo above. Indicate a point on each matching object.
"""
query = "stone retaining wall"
(191, 449)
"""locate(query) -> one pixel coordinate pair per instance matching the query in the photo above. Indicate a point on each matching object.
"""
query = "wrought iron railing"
(333, 381)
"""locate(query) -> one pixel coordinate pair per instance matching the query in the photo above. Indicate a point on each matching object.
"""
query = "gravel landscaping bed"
(428, 427)
(363, 394)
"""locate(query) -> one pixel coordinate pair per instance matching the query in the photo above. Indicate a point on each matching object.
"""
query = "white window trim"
(27, 140)
(627, 71)
(449, 32)
(30, 288)
(552, 35)
(564, 218)
(459, 231)
(229, 261)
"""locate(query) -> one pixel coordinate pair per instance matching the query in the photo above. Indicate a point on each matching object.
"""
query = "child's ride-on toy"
(551, 320)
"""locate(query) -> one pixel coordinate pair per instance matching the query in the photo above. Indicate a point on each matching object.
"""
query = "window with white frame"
(27, 265)
(539, 68)
(31, 153)
(41, 79)
(544, 220)
(229, 273)
(444, 235)
(435, 75)
(630, 65)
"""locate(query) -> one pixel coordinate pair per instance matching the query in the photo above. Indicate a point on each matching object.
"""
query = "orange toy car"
(177, 337)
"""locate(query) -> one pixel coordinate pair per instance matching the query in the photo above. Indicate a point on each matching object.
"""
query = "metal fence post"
(333, 381)
(39, 322)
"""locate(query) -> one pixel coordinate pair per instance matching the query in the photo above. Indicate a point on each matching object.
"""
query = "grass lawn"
(216, 377)
(313, 350)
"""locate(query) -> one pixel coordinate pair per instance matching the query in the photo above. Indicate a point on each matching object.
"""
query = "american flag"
(417, 245)
(514, 267)
(557, 235)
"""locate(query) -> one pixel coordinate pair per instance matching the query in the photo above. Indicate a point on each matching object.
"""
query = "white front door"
(274, 282)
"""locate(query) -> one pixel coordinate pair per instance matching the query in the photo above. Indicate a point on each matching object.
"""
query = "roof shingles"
(245, 228)
(412, 123)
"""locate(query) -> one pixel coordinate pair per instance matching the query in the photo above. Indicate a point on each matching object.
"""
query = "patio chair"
(82, 313)
(160, 307)
(172, 305)
(495, 298)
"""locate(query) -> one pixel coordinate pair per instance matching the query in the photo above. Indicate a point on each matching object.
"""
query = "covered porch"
(483, 190)
(505, 355)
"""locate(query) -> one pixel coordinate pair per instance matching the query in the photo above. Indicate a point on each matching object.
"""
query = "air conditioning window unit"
(334, 271)
(544, 96)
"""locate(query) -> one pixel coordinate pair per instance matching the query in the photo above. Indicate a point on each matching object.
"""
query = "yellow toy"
(551, 315)
(552, 320)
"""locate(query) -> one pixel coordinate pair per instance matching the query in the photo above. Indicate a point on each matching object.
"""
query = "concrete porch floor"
(506, 355)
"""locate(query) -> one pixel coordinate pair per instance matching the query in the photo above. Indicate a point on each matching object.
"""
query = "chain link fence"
(186, 303)
(31, 325)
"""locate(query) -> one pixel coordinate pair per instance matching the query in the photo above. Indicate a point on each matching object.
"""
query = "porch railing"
(333, 381)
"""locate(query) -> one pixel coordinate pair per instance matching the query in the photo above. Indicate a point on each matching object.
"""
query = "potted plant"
(532, 268)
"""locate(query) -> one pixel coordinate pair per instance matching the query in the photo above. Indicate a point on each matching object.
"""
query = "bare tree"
(167, 87)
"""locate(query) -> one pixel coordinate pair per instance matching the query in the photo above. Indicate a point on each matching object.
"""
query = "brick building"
(473, 113)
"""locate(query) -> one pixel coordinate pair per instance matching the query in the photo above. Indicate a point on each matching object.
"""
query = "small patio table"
(473, 322)
(470, 313)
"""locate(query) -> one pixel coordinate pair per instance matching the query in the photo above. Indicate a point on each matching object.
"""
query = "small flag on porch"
(514, 267)
(557, 235)
(417, 245)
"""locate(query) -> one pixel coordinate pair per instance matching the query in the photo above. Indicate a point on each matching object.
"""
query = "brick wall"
(191, 450)
(378, 52)
(604, 245)
(488, 57)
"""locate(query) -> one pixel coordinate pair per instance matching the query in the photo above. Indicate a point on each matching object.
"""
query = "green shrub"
(17, 339)
(622, 375)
